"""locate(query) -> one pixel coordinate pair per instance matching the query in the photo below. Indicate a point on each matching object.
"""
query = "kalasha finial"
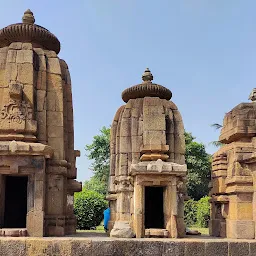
(28, 17)
(252, 95)
(147, 76)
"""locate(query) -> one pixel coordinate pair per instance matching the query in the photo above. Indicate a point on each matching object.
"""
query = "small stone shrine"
(233, 185)
(147, 169)
(37, 156)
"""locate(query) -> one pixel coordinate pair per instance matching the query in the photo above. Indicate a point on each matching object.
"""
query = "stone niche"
(147, 165)
(233, 184)
(37, 156)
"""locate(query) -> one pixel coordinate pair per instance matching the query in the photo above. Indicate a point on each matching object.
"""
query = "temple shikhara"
(147, 170)
(37, 156)
(233, 186)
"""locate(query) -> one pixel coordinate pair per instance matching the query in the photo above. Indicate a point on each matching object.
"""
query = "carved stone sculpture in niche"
(16, 110)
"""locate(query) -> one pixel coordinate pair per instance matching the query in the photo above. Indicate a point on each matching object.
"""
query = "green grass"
(99, 229)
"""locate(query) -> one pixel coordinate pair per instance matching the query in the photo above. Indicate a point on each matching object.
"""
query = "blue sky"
(204, 51)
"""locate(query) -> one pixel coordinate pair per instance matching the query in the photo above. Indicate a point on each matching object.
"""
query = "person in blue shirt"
(106, 218)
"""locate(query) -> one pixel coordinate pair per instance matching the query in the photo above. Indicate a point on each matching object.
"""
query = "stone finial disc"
(146, 89)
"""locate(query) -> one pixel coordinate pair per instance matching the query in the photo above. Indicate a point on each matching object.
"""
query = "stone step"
(156, 232)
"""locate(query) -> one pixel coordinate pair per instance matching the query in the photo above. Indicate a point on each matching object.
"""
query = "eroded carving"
(16, 111)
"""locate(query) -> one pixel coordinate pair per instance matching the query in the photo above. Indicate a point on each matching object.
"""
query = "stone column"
(168, 208)
(122, 227)
(174, 210)
(253, 166)
(139, 213)
(35, 217)
(240, 222)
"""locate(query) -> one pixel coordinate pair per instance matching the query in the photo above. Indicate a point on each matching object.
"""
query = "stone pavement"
(96, 244)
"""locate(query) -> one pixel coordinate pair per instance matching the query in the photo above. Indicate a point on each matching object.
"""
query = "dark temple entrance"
(154, 213)
(15, 202)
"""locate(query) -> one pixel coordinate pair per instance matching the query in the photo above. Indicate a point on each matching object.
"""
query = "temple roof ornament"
(27, 31)
(147, 75)
(252, 95)
(146, 89)
(28, 17)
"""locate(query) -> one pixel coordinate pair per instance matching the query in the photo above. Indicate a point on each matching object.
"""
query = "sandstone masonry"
(147, 165)
(36, 133)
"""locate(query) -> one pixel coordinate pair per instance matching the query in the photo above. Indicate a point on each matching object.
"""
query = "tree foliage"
(197, 213)
(99, 152)
(94, 184)
(216, 143)
(190, 215)
(203, 212)
(88, 208)
(199, 168)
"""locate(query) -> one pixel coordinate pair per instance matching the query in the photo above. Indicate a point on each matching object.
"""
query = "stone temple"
(233, 185)
(147, 169)
(37, 156)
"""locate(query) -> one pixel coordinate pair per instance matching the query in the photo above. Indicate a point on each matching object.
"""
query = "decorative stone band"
(74, 186)
(124, 183)
(22, 32)
(111, 197)
(62, 163)
(25, 148)
(156, 167)
(221, 199)
(146, 89)
(239, 184)
(248, 158)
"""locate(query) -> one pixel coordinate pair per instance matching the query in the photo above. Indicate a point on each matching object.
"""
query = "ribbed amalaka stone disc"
(27, 31)
(146, 89)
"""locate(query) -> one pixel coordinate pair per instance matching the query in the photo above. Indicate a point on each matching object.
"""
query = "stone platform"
(96, 244)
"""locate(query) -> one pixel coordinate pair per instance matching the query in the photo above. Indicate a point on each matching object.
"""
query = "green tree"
(88, 208)
(94, 184)
(190, 213)
(199, 168)
(216, 143)
(203, 212)
(197, 213)
(99, 152)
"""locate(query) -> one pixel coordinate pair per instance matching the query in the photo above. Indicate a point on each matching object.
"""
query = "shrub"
(197, 213)
(88, 208)
(96, 185)
(190, 213)
(203, 212)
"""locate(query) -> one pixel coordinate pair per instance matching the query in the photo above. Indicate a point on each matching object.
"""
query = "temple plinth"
(147, 170)
(37, 156)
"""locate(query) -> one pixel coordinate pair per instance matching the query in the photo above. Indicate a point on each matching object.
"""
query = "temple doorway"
(15, 210)
(154, 214)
